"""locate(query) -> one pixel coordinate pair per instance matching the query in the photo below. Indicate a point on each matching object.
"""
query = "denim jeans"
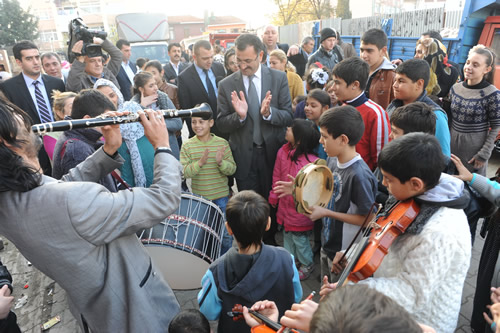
(227, 240)
(297, 243)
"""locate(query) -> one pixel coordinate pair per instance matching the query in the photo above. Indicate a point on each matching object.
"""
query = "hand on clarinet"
(155, 128)
(111, 133)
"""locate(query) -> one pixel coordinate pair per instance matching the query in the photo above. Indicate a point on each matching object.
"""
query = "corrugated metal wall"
(407, 24)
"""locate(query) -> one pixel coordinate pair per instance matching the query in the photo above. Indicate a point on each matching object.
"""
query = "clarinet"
(203, 111)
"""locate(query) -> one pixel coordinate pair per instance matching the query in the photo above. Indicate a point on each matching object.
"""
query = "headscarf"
(446, 75)
(131, 132)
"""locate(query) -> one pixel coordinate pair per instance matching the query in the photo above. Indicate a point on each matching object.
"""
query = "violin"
(376, 240)
(267, 326)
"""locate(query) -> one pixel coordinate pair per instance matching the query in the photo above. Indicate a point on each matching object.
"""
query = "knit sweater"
(210, 180)
(425, 271)
(377, 129)
(475, 108)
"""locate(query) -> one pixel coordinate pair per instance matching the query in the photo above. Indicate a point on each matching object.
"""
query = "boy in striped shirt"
(207, 160)
(349, 83)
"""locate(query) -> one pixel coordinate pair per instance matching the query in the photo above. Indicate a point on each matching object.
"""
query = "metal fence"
(406, 24)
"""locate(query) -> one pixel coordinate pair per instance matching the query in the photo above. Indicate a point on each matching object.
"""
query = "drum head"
(313, 186)
(182, 270)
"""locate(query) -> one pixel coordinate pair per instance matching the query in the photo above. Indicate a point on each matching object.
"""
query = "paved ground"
(45, 299)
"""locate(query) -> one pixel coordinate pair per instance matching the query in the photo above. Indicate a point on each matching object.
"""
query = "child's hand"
(337, 265)
(283, 188)
(220, 155)
(317, 212)
(495, 312)
(463, 173)
(326, 287)
(300, 315)
(203, 158)
(495, 295)
(6, 302)
(477, 162)
(266, 308)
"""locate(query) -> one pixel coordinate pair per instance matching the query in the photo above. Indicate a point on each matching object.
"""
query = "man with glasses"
(254, 108)
(198, 83)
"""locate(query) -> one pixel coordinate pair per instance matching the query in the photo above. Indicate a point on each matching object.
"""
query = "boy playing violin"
(425, 268)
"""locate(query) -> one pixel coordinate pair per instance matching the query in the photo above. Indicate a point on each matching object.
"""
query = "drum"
(313, 186)
(187, 242)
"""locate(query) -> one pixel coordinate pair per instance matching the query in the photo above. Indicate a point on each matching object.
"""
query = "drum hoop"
(176, 245)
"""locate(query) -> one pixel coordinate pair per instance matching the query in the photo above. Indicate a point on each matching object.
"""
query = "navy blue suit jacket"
(124, 82)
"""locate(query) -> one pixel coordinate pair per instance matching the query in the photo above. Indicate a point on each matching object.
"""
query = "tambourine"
(313, 186)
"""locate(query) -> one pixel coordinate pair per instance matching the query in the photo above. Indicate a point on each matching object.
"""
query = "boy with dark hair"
(189, 321)
(75, 145)
(412, 77)
(350, 77)
(373, 50)
(413, 117)
(425, 268)
(355, 185)
(251, 272)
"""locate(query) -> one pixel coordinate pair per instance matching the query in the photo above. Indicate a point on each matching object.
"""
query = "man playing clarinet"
(83, 236)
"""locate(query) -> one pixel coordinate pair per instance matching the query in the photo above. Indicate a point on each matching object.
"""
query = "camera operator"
(85, 70)
(8, 319)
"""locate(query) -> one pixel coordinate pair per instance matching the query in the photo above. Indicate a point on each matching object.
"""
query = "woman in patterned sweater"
(475, 109)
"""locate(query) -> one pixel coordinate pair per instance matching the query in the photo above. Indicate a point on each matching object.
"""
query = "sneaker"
(305, 271)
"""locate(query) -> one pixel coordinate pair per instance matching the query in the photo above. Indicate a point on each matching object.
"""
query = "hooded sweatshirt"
(426, 267)
(243, 279)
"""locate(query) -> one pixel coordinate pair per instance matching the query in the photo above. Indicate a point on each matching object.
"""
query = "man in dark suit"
(175, 66)
(254, 153)
(270, 40)
(254, 108)
(127, 71)
(198, 83)
(32, 91)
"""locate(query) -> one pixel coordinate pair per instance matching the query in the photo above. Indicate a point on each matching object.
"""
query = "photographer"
(8, 319)
(86, 70)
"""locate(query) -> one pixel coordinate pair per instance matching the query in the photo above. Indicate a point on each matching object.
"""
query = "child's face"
(405, 89)
(396, 132)
(371, 54)
(314, 109)
(333, 97)
(343, 91)
(289, 136)
(201, 127)
(476, 68)
(400, 191)
(333, 147)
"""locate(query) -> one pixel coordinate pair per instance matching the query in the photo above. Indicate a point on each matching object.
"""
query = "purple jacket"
(287, 215)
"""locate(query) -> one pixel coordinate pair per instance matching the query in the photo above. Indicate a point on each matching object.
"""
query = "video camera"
(79, 31)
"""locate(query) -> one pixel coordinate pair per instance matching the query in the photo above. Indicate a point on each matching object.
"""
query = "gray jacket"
(327, 59)
(83, 237)
(78, 79)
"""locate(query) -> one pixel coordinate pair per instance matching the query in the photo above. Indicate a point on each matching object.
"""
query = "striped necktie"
(43, 110)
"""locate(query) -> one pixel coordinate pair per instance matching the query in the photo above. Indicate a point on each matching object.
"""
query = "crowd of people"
(391, 132)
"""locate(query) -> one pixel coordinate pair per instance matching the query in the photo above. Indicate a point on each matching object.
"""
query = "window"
(48, 36)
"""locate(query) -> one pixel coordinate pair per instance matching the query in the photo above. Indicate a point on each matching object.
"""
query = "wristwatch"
(163, 150)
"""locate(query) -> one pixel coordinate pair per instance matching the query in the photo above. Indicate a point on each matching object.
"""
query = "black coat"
(17, 92)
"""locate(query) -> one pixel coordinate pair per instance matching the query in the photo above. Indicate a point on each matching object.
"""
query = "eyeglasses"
(246, 61)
